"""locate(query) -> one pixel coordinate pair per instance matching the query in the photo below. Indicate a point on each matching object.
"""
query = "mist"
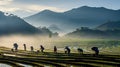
(105, 45)
(29, 40)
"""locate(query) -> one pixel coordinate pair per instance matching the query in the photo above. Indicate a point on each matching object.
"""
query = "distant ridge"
(111, 25)
(75, 18)
(11, 24)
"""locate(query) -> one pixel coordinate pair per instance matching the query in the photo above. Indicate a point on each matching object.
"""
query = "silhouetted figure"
(55, 49)
(32, 49)
(67, 50)
(96, 51)
(24, 46)
(80, 50)
(16, 46)
(42, 48)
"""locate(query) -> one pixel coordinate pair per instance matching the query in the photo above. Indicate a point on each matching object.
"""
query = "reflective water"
(25, 65)
(4, 65)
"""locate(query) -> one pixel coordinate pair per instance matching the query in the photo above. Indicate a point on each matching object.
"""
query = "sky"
(24, 8)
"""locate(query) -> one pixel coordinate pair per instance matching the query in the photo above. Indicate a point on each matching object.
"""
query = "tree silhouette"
(50, 35)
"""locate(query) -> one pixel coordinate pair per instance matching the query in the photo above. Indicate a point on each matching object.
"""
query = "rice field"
(60, 59)
(109, 52)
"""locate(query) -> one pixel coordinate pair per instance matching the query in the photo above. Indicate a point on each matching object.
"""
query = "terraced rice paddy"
(49, 59)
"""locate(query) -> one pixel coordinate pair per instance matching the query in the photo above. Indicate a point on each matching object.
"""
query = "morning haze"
(59, 33)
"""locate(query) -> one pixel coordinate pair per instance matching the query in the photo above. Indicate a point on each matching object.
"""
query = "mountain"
(11, 24)
(85, 32)
(111, 25)
(78, 17)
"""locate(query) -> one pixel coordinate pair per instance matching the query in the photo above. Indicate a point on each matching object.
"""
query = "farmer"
(96, 51)
(15, 46)
(24, 46)
(32, 49)
(42, 48)
(67, 50)
(80, 50)
(55, 49)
